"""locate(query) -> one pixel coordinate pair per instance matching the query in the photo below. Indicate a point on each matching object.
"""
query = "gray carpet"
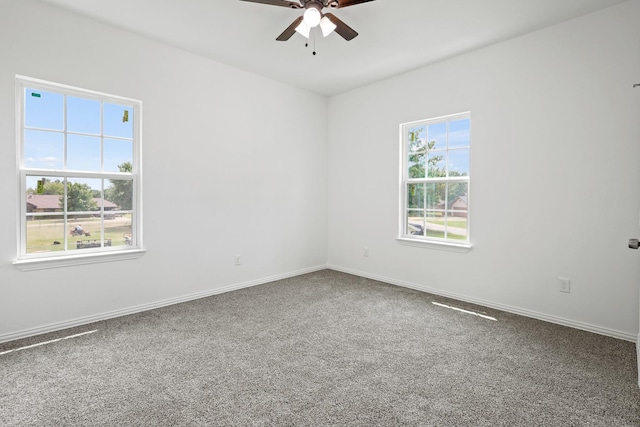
(325, 348)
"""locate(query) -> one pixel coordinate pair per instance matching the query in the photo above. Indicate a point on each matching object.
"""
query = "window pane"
(118, 120)
(83, 115)
(417, 150)
(416, 165)
(459, 162)
(104, 205)
(457, 225)
(83, 153)
(44, 194)
(435, 225)
(117, 229)
(44, 109)
(119, 192)
(116, 153)
(437, 135)
(435, 195)
(457, 195)
(45, 233)
(459, 134)
(44, 150)
(415, 223)
(84, 231)
(83, 194)
(415, 196)
(437, 164)
(417, 137)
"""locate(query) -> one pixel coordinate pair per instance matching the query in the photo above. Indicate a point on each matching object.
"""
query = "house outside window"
(435, 180)
(79, 161)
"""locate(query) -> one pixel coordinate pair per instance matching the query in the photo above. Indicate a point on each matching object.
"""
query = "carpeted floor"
(325, 348)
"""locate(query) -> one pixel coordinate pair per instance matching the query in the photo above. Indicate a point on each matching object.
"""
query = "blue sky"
(87, 131)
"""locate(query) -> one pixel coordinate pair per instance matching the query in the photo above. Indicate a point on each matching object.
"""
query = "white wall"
(555, 190)
(554, 165)
(233, 164)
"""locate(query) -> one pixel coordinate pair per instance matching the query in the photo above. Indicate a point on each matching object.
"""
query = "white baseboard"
(515, 310)
(158, 304)
(638, 357)
(150, 306)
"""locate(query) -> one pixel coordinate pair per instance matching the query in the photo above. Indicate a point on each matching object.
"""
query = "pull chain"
(306, 44)
(314, 42)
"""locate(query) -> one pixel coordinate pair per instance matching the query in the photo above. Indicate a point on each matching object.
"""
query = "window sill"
(67, 261)
(432, 244)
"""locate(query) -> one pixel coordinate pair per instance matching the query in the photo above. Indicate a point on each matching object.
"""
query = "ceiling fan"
(313, 17)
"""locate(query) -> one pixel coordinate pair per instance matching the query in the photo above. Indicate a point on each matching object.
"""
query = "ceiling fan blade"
(337, 4)
(283, 3)
(291, 29)
(342, 29)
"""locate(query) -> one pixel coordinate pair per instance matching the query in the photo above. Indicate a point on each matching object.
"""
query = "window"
(79, 167)
(435, 180)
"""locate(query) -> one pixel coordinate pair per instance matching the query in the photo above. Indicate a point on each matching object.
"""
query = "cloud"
(43, 162)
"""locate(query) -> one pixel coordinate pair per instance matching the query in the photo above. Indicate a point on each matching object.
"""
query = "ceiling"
(395, 35)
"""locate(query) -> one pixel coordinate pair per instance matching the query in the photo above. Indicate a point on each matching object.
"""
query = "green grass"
(440, 235)
(457, 222)
(42, 233)
(452, 223)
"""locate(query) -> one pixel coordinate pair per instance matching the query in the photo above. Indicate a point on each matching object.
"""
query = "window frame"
(35, 261)
(404, 181)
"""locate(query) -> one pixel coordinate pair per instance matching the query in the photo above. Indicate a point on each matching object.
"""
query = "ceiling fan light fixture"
(312, 17)
(327, 26)
(303, 29)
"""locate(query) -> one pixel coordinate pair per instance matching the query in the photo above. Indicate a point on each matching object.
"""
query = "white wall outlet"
(237, 260)
(365, 252)
(565, 284)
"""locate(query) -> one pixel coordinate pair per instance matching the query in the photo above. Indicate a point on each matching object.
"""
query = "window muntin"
(79, 164)
(435, 179)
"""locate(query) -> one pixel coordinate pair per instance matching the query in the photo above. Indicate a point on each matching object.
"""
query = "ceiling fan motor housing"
(319, 4)
(316, 4)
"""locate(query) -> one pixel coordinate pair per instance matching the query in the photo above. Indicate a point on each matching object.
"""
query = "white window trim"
(433, 244)
(30, 262)
(424, 242)
(71, 260)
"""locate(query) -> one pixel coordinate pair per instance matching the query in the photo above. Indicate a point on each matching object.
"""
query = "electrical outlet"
(565, 284)
(237, 260)
(366, 252)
